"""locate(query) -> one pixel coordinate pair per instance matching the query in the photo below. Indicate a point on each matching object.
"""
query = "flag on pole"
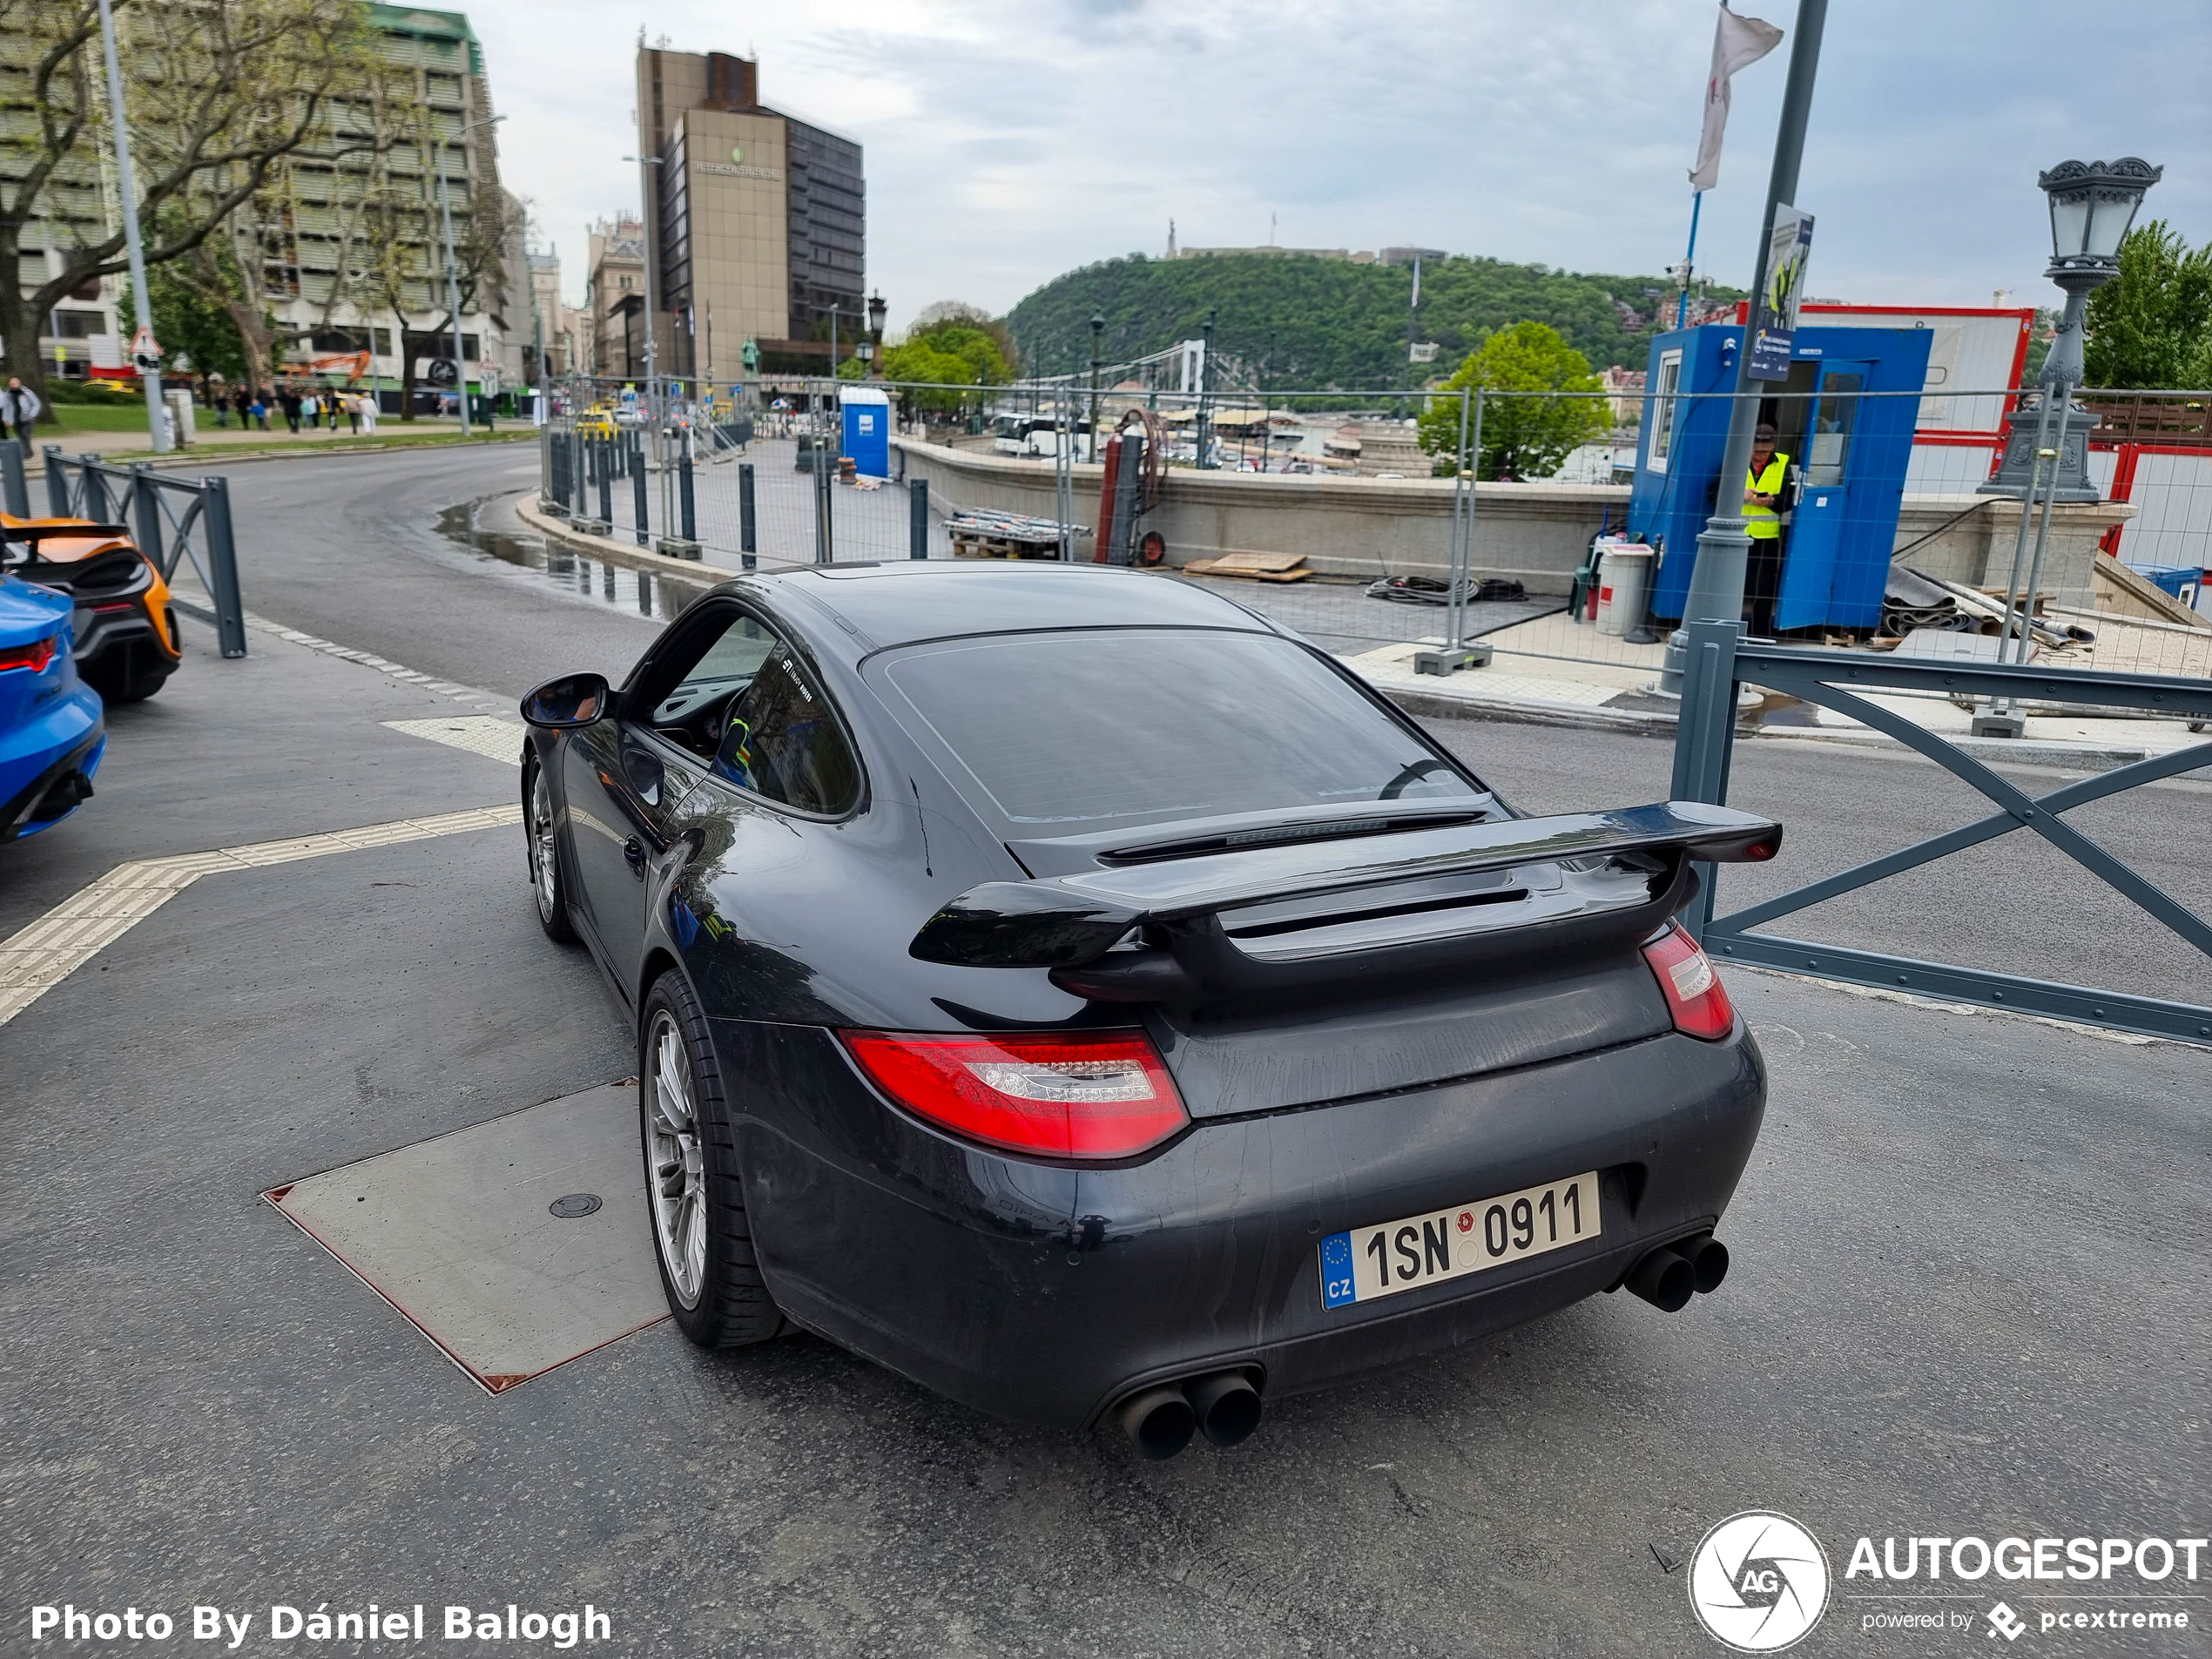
(1738, 43)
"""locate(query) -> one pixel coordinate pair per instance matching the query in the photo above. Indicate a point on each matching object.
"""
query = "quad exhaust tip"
(1222, 1405)
(1669, 1276)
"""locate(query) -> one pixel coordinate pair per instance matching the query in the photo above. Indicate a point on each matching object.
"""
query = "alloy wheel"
(674, 1170)
(542, 868)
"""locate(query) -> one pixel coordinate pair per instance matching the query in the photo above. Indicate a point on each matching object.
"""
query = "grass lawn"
(100, 417)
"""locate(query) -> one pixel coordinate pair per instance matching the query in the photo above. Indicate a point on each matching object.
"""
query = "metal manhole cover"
(574, 1204)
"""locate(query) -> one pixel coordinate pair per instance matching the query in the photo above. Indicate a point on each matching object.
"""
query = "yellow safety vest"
(1764, 524)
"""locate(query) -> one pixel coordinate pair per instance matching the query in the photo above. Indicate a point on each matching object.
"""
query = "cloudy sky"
(1009, 140)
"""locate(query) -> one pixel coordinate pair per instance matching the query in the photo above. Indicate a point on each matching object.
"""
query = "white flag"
(1738, 43)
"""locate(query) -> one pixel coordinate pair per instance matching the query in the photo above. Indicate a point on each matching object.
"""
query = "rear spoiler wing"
(32, 535)
(1068, 923)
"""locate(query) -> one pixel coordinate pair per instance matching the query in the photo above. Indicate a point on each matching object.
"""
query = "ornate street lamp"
(2093, 205)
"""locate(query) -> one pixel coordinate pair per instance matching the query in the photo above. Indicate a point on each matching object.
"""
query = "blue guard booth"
(867, 429)
(1850, 452)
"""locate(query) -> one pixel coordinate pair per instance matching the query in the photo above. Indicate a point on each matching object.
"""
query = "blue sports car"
(52, 728)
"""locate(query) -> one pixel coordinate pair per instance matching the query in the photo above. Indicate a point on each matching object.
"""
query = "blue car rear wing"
(1311, 912)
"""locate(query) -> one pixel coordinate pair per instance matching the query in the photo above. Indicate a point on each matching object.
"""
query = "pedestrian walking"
(242, 400)
(19, 407)
(311, 410)
(353, 411)
(288, 400)
(372, 407)
(259, 411)
(330, 408)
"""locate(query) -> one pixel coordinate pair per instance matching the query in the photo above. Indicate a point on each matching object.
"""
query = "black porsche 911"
(1082, 996)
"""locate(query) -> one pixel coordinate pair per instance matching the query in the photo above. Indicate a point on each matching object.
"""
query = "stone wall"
(1536, 534)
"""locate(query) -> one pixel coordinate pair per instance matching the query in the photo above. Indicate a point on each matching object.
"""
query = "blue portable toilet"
(1850, 451)
(867, 430)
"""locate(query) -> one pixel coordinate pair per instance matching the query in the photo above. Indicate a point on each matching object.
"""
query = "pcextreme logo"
(1758, 1582)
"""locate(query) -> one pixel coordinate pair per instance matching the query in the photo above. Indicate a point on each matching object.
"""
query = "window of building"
(1664, 399)
(78, 325)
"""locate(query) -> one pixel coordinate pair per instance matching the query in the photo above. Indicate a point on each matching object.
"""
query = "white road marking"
(381, 664)
(483, 734)
(50, 949)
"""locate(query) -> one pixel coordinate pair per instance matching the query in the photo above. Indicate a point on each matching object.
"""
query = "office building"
(343, 245)
(756, 221)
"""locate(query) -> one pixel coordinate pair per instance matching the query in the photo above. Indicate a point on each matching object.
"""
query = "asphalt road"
(1970, 1292)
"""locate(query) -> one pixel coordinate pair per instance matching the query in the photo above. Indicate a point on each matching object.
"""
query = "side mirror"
(565, 704)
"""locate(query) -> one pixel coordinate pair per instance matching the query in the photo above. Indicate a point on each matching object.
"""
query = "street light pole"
(1205, 375)
(1097, 341)
(1717, 580)
(157, 416)
(453, 274)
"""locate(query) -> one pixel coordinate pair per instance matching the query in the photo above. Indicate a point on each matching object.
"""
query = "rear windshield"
(1074, 732)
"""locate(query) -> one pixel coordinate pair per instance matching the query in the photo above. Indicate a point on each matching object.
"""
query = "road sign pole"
(150, 378)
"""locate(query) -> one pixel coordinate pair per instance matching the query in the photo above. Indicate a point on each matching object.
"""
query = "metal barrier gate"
(1720, 660)
(173, 521)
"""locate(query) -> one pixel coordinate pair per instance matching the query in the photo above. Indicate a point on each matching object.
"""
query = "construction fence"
(1551, 528)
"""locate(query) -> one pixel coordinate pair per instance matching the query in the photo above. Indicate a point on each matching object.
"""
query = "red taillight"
(1069, 1095)
(1695, 994)
(34, 656)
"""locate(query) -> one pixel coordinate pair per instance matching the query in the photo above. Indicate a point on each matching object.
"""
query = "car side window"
(781, 740)
(695, 680)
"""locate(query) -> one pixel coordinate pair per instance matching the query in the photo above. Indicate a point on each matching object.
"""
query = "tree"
(942, 314)
(401, 247)
(216, 93)
(230, 269)
(917, 362)
(987, 365)
(1522, 437)
(192, 329)
(2151, 327)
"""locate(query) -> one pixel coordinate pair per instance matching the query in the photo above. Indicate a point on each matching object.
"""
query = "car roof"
(898, 603)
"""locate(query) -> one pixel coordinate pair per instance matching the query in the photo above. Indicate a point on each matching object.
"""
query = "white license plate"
(1370, 1262)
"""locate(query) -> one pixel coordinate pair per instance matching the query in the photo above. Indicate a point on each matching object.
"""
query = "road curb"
(696, 571)
(1572, 716)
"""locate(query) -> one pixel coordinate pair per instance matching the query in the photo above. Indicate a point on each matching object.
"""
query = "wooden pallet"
(967, 545)
(1257, 567)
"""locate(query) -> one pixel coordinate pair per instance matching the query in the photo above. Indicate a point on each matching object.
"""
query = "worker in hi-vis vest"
(1766, 504)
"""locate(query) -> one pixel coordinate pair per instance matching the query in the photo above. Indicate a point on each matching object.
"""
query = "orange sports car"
(126, 630)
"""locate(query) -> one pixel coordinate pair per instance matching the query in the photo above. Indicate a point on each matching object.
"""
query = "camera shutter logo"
(1758, 1582)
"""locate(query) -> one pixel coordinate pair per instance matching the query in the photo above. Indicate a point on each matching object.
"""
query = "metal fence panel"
(1720, 660)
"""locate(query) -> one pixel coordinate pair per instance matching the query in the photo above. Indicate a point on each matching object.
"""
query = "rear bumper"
(116, 647)
(1046, 1293)
(40, 801)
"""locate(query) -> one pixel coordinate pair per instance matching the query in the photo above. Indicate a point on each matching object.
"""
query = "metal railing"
(175, 521)
(1720, 660)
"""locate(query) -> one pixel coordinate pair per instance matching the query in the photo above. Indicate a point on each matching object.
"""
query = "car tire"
(549, 878)
(702, 1237)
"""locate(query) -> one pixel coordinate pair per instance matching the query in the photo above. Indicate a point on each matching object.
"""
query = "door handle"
(634, 849)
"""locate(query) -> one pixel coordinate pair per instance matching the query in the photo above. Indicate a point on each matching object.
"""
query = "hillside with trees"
(1331, 323)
